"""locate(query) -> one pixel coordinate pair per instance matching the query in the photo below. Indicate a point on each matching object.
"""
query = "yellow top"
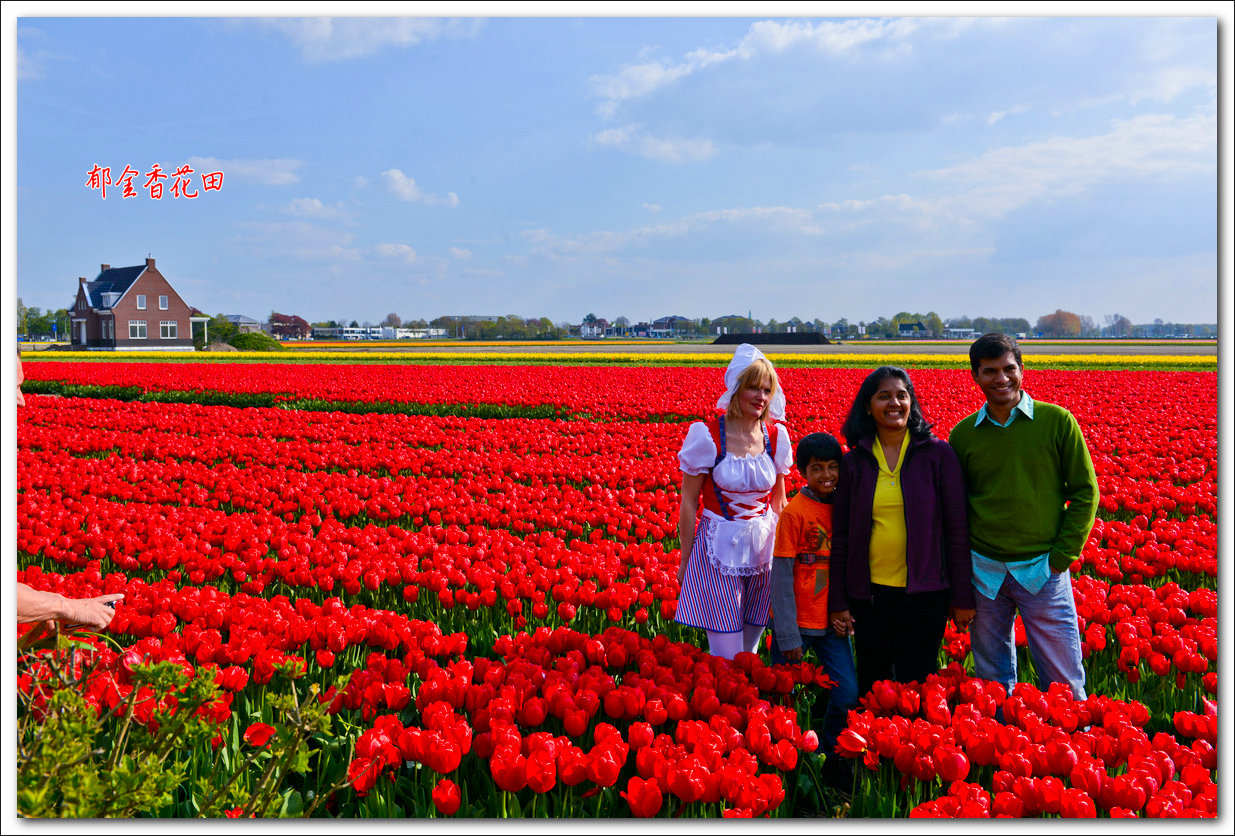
(888, 537)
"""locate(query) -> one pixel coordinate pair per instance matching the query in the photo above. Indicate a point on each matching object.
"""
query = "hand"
(961, 618)
(794, 655)
(682, 570)
(842, 623)
(94, 613)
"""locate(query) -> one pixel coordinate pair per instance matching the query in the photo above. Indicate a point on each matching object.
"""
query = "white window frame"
(162, 303)
(137, 329)
(169, 330)
(141, 301)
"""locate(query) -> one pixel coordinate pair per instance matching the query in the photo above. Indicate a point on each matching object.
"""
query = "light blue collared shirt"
(988, 574)
(1025, 405)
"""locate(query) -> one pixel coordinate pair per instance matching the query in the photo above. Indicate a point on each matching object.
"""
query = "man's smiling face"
(999, 379)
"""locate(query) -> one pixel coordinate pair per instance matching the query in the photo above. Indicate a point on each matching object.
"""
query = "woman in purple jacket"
(900, 561)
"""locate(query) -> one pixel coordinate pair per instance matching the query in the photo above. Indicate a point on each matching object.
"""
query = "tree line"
(34, 323)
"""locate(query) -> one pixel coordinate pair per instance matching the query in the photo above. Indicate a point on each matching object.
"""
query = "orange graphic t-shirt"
(805, 534)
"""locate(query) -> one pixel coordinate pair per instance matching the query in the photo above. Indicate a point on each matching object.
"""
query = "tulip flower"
(259, 734)
(446, 797)
(643, 796)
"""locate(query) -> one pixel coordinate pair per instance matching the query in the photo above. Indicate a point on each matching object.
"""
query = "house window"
(168, 330)
(137, 328)
(141, 301)
(162, 303)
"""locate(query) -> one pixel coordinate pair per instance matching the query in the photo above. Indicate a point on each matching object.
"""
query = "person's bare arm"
(692, 486)
(34, 605)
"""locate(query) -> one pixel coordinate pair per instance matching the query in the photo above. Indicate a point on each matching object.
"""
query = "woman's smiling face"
(756, 396)
(889, 406)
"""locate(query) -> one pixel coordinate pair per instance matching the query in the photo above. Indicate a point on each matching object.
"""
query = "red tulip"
(446, 797)
(643, 796)
(258, 734)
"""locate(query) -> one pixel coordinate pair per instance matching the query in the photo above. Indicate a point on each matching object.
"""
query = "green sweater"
(1031, 486)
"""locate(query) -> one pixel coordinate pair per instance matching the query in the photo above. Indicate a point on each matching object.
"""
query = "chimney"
(103, 268)
(150, 262)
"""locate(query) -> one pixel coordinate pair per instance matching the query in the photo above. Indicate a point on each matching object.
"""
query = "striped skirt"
(720, 603)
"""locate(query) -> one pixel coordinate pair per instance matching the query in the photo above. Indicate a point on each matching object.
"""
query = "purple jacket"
(937, 547)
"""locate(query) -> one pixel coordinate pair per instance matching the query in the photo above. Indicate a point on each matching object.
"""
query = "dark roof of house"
(112, 280)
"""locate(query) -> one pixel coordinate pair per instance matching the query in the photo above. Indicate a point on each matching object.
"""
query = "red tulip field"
(435, 590)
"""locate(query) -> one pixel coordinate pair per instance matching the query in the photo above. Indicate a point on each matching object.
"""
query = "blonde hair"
(757, 372)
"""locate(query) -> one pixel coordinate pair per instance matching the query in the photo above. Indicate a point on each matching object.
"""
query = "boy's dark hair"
(861, 425)
(992, 346)
(817, 447)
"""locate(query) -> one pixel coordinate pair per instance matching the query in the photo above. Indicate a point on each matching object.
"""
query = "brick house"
(131, 309)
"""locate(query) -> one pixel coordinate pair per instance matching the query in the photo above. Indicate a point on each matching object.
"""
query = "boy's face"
(822, 476)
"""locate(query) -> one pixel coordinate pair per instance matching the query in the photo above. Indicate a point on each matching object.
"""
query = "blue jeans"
(1050, 624)
(835, 655)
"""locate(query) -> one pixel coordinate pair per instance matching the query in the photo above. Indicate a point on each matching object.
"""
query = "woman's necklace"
(743, 440)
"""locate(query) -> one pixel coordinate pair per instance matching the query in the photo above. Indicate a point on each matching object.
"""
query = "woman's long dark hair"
(860, 424)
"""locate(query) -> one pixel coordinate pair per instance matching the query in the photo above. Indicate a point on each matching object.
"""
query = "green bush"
(255, 342)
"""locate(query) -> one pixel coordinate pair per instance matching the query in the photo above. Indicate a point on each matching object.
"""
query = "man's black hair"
(817, 447)
(992, 346)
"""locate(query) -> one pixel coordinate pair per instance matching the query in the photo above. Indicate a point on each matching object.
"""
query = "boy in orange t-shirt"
(800, 586)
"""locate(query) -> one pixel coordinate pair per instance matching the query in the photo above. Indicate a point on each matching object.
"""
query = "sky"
(791, 165)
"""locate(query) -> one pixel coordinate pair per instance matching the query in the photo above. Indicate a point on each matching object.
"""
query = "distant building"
(244, 324)
(960, 334)
(672, 326)
(131, 309)
(594, 330)
(913, 329)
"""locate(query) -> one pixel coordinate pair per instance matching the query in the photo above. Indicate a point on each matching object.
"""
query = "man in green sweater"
(1032, 496)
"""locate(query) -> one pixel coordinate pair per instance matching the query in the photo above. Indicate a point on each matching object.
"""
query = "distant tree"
(590, 319)
(1060, 324)
(1089, 328)
(21, 317)
(221, 329)
(392, 320)
(935, 323)
(354, 324)
(1118, 325)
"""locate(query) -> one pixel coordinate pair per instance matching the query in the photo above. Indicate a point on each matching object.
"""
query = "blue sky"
(787, 165)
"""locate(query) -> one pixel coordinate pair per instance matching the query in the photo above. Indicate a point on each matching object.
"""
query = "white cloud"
(301, 240)
(634, 139)
(361, 181)
(333, 39)
(999, 114)
(400, 251)
(1168, 83)
(1005, 179)
(763, 37)
(274, 172)
(652, 207)
(779, 218)
(311, 207)
(405, 188)
(460, 253)
(28, 68)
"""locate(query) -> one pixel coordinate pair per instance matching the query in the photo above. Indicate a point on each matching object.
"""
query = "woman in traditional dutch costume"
(733, 488)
